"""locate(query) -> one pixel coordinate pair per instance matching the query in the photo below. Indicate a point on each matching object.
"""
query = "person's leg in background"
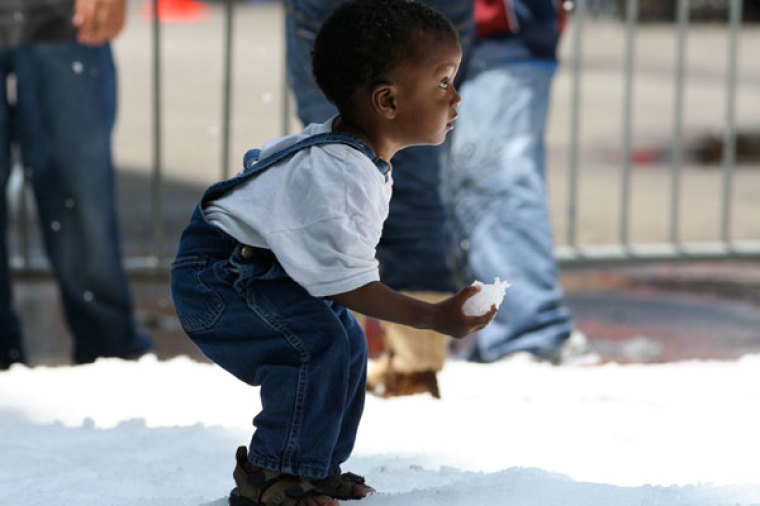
(413, 258)
(411, 360)
(66, 113)
(496, 193)
(11, 349)
(412, 251)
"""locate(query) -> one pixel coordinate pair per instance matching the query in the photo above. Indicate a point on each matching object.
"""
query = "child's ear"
(384, 100)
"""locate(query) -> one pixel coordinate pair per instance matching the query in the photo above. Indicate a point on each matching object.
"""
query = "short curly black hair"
(363, 40)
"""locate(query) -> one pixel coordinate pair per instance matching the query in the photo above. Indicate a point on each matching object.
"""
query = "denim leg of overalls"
(62, 121)
(412, 251)
(307, 354)
(495, 189)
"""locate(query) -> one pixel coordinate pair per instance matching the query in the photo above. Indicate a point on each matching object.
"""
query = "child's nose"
(456, 98)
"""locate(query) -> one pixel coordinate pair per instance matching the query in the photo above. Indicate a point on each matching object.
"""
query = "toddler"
(274, 258)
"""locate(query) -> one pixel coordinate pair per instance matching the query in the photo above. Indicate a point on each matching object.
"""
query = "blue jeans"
(494, 188)
(308, 354)
(412, 251)
(62, 123)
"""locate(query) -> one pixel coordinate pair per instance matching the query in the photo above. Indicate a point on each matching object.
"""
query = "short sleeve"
(330, 256)
(340, 204)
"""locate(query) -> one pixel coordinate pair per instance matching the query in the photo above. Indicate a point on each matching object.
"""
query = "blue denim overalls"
(245, 313)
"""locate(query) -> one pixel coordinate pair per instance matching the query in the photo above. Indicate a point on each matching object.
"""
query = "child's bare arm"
(379, 301)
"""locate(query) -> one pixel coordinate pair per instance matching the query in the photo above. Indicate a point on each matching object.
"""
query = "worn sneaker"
(576, 351)
(384, 381)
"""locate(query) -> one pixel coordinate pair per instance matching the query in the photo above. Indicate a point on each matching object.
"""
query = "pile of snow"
(523, 434)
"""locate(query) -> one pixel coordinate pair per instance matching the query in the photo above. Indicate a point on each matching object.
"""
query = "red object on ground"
(646, 156)
(175, 11)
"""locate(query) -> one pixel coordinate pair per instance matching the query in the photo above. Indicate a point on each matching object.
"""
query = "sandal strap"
(252, 483)
(353, 478)
(291, 496)
(340, 486)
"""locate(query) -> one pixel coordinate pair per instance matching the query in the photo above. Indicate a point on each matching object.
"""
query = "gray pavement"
(646, 313)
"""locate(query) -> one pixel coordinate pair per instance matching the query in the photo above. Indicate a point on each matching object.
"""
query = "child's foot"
(346, 486)
(261, 487)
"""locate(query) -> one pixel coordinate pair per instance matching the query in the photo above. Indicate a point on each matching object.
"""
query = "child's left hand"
(451, 320)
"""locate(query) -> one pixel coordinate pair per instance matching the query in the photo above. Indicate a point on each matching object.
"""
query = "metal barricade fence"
(572, 246)
(724, 246)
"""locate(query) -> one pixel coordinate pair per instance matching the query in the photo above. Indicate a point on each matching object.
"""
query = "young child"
(274, 258)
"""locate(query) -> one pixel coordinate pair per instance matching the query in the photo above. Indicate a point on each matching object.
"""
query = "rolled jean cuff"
(302, 470)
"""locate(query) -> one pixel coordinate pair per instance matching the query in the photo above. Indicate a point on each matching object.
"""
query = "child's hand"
(451, 320)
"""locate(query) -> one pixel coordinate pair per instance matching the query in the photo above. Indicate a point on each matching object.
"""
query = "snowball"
(480, 303)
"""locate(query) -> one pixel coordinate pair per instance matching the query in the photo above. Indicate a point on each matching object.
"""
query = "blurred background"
(654, 165)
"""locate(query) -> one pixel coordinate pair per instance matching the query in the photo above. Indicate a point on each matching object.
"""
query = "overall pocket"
(197, 304)
(248, 265)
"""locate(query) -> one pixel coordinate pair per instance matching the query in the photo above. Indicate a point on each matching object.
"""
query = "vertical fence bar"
(285, 100)
(682, 23)
(729, 136)
(632, 8)
(285, 97)
(156, 184)
(575, 104)
(25, 223)
(227, 88)
(25, 188)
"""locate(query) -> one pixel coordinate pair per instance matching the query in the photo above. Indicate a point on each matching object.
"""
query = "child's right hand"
(451, 320)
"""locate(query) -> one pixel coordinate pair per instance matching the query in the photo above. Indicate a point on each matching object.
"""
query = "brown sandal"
(253, 482)
(342, 486)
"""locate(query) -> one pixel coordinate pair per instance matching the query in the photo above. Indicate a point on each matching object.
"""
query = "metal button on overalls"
(247, 252)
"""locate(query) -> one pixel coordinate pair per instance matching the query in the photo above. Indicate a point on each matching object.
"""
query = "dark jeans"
(62, 122)
(307, 354)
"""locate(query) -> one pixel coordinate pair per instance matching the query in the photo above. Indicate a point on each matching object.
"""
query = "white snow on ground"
(517, 434)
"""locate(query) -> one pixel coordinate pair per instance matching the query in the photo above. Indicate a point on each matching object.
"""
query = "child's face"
(426, 97)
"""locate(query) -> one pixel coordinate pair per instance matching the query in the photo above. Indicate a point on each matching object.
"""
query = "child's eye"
(444, 85)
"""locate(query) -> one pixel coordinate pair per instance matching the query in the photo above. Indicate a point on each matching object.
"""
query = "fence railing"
(723, 247)
(573, 248)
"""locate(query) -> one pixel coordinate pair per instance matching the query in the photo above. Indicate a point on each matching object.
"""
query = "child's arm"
(379, 301)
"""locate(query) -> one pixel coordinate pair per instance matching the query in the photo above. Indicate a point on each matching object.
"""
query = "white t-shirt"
(320, 211)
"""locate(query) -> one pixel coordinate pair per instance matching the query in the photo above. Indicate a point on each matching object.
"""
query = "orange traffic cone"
(175, 11)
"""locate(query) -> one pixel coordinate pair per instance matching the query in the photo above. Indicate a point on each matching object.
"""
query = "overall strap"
(252, 156)
(252, 165)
